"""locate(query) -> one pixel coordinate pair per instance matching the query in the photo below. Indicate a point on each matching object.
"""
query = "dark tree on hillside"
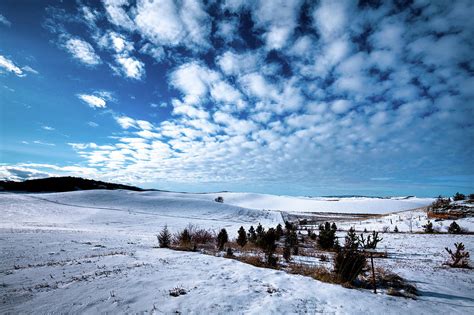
(327, 236)
(454, 228)
(242, 238)
(279, 231)
(252, 236)
(164, 238)
(260, 231)
(351, 240)
(333, 226)
(222, 238)
(459, 196)
(428, 227)
(395, 229)
(269, 246)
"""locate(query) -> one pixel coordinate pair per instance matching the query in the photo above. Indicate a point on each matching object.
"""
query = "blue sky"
(285, 97)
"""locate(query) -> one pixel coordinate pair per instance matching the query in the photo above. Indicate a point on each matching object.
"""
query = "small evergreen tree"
(269, 246)
(459, 196)
(454, 228)
(471, 196)
(459, 257)
(428, 227)
(395, 229)
(333, 226)
(351, 240)
(222, 238)
(229, 252)
(279, 231)
(349, 261)
(260, 231)
(242, 238)
(164, 238)
(327, 236)
(252, 236)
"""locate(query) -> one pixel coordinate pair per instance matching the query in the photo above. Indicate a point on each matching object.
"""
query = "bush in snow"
(229, 253)
(428, 227)
(222, 238)
(327, 236)
(457, 196)
(287, 252)
(349, 261)
(242, 238)
(184, 238)
(454, 228)
(395, 229)
(269, 246)
(219, 199)
(164, 238)
(460, 257)
(371, 241)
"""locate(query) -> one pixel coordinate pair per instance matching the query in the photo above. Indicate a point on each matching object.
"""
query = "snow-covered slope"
(123, 209)
(315, 204)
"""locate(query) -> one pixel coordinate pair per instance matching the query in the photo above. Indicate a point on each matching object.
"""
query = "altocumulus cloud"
(312, 94)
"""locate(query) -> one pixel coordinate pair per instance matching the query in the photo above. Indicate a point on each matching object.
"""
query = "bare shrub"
(177, 291)
(460, 258)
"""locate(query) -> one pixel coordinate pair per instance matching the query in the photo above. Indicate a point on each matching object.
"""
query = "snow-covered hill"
(314, 204)
(124, 209)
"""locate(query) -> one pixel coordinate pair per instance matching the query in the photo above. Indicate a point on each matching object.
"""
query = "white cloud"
(9, 66)
(82, 51)
(164, 23)
(341, 106)
(157, 52)
(126, 122)
(29, 69)
(131, 67)
(48, 128)
(330, 18)
(117, 14)
(92, 100)
(44, 143)
(4, 21)
(279, 18)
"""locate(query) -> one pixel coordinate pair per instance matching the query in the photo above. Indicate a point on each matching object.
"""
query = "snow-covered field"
(93, 252)
(316, 204)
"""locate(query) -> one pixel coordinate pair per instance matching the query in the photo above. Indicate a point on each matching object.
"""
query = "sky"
(285, 97)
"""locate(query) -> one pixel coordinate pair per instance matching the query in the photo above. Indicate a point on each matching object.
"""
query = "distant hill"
(61, 184)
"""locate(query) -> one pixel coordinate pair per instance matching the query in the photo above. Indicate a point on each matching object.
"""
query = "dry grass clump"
(315, 272)
(253, 260)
